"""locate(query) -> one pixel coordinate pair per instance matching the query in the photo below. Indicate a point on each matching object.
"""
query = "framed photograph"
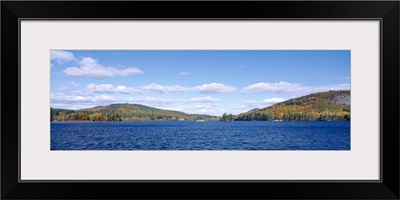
(216, 102)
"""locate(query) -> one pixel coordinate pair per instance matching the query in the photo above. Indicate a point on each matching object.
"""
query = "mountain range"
(322, 106)
(123, 112)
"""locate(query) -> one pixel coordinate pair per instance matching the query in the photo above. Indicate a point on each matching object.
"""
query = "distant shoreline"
(192, 121)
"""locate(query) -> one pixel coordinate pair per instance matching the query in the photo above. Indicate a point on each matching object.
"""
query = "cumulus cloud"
(209, 106)
(291, 88)
(89, 67)
(150, 100)
(280, 87)
(184, 74)
(61, 57)
(68, 99)
(206, 99)
(156, 88)
(108, 88)
(61, 100)
(217, 109)
(126, 90)
(73, 84)
(252, 104)
(214, 88)
(163, 89)
(102, 88)
(273, 100)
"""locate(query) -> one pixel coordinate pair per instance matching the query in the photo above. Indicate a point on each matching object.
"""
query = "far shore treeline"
(72, 115)
(322, 106)
(123, 112)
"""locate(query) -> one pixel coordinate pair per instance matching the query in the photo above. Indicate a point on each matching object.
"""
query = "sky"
(193, 81)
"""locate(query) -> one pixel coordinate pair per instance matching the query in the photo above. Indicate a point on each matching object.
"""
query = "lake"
(191, 135)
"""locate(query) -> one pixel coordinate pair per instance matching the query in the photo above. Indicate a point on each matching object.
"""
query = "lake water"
(190, 135)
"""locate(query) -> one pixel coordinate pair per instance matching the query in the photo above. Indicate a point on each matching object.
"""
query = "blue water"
(190, 135)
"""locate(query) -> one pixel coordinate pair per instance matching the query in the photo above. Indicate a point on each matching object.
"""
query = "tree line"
(57, 114)
(71, 115)
(257, 116)
(226, 118)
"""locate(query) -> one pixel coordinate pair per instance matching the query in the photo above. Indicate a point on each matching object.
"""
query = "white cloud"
(270, 87)
(206, 106)
(73, 84)
(61, 100)
(127, 90)
(61, 57)
(163, 89)
(291, 88)
(184, 74)
(252, 104)
(217, 109)
(152, 101)
(68, 99)
(102, 88)
(324, 88)
(156, 88)
(206, 99)
(273, 100)
(214, 88)
(108, 88)
(91, 68)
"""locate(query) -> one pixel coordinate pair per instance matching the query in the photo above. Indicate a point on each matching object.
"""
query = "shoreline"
(196, 121)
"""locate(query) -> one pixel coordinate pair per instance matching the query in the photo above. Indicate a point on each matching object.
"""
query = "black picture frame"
(386, 11)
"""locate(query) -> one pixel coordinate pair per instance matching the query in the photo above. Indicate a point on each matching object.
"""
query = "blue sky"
(193, 81)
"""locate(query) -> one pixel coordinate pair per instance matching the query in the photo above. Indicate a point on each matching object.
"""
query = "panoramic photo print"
(200, 100)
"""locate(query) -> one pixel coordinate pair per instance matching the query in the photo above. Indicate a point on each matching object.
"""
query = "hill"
(122, 112)
(322, 106)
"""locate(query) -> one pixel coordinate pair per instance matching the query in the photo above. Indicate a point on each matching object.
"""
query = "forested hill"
(322, 106)
(123, 112)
